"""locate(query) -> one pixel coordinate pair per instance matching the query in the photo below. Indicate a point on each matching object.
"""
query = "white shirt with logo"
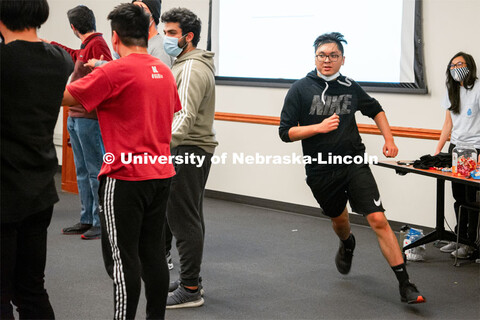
(466, 124)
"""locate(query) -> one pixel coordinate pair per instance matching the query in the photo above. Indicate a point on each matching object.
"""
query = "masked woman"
(462, 121)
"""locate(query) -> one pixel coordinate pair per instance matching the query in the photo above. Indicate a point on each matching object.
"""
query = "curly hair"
(188, 21)
(332, 37)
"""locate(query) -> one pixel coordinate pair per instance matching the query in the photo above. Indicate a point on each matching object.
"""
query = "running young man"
(320, 110)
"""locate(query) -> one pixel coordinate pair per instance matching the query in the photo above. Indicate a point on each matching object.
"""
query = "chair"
(473, 206)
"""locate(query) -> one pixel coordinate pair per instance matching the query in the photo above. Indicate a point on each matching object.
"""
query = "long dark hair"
(453, 87)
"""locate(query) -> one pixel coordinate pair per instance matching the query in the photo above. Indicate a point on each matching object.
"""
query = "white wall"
(57, 28)
(449, 26)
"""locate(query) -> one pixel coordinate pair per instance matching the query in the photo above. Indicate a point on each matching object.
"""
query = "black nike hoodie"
(310, 100)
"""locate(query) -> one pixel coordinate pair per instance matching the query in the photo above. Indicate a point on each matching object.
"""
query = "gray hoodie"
(195, 76)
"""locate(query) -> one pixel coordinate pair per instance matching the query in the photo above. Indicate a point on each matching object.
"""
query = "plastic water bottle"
(403, 234)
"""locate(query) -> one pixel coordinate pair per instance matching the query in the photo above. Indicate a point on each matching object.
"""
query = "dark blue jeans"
(23, 258)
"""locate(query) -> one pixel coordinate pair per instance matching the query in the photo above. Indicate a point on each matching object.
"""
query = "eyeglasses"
(458, 65)
(332, 57)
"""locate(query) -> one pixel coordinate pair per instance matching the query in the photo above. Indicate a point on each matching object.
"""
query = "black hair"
(19, 15)
(155, 7)
(453, 87)
(188, 21)
(131, 24)
(332, 37)
(82, 18)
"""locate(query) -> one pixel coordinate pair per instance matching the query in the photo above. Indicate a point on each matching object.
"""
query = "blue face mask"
(170, 45)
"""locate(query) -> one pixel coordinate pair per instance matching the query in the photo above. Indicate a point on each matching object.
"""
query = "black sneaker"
(92, 233)
(79, 228)
(175, 284)
(409, 293)
(343, 259)
(181, 298)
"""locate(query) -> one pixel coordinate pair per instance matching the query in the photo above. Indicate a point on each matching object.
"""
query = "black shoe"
(343, 259)
(409, 293)
(79, 228)
(92, 233)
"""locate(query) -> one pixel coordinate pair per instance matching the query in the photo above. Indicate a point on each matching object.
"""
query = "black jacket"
(311, 100)
(33, 76)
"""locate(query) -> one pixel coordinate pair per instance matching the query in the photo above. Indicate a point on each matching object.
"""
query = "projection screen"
(270, 42)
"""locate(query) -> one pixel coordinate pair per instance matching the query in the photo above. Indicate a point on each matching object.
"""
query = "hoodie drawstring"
(323, 93)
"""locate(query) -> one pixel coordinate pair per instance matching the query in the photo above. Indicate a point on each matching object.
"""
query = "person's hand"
(329, 124)
(390, 150)
(91, 62)
(437, 151)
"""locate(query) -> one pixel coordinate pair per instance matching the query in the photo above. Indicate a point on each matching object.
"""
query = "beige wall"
(449, 26)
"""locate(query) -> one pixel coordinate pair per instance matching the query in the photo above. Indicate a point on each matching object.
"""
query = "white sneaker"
(463, 252)
(450, 247)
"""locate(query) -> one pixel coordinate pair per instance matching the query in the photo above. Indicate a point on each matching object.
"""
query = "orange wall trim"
(406, 132)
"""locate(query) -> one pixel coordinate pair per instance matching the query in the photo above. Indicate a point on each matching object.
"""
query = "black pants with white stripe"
(132, 216)
(185, 212)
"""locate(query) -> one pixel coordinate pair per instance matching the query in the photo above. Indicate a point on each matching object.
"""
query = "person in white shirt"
(462, 122)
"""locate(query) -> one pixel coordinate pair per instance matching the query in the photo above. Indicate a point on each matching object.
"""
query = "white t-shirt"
(466, 124)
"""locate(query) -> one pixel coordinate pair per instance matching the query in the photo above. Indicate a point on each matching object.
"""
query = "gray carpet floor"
(267, 264)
